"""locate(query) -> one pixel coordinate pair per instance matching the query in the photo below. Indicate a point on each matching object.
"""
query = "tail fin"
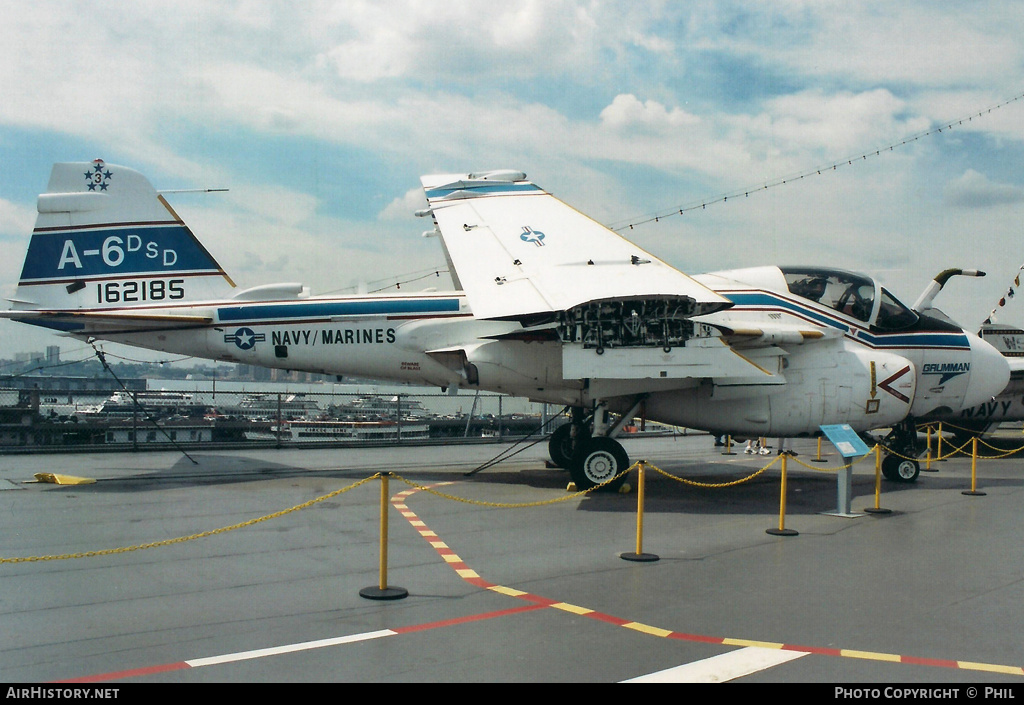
(104, 238)
(1006, 339)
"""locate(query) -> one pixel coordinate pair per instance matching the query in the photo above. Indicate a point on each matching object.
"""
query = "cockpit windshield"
(846, 292)
(893, 315)
(849, 293)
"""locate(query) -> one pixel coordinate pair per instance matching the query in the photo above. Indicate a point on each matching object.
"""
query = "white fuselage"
(854, 375)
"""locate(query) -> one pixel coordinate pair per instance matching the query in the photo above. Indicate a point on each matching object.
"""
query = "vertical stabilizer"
(105, 238)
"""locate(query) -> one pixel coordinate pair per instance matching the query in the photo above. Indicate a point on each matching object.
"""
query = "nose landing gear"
(902, 443)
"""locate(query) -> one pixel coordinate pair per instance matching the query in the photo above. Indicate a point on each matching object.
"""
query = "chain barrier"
(483, 503)
(796, 459)
(711, 485)
(505, 505)
(183, 539)
(959, 450)
(410, 483)
(1001, 453)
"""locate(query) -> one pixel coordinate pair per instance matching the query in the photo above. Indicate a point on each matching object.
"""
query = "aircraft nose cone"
(990, 373)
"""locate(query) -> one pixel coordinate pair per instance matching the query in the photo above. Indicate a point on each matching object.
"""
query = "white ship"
(374, 407)
(162, 401)
(270, 406)
(305, 431)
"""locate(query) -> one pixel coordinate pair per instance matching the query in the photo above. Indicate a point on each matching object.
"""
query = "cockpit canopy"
(852, 294)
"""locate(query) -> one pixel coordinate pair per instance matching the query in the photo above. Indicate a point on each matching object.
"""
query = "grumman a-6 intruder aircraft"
(549, 305)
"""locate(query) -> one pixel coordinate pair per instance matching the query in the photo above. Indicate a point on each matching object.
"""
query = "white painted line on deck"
(722, 668)
(288, 648)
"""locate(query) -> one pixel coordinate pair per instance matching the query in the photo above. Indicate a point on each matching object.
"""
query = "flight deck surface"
(509, 577)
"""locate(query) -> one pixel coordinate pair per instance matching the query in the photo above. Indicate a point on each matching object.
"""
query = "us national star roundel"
(245, 338)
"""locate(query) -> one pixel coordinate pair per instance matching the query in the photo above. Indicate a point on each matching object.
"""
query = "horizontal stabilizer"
(84, 322)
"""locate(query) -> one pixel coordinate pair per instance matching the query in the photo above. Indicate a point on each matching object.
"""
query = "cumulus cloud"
(404, 207)
(627, 111)
(16, 221)
(332, 109)
(974, 190)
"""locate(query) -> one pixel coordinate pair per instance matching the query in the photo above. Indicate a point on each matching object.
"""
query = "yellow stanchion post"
(938, 445)
(639, 556)
(974, 471)
(782, 530)
(382, 591)
(928, 453)
(877, 509)
(728, 446)
(818, 458)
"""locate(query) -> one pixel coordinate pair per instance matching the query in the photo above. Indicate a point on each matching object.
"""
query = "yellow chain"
(183, 539)
(830, 469)
(443, 495)
(504, 505)
(981, 440)
(694, 483)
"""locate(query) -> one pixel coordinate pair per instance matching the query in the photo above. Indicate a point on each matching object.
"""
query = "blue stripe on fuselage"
(760, 299)
(497, 189)
(306, 310)
(923, 339)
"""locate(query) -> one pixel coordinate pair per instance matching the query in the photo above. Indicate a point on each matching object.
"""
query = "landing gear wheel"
(561, 445)
(900, 469)
(598, 460)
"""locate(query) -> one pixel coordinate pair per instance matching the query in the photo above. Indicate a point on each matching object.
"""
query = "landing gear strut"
(563, 442)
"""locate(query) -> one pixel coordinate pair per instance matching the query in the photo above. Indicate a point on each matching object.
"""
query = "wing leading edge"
(519, 252)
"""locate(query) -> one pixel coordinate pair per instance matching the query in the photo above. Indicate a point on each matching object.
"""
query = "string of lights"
(1010, 293)
(65, 363)
(39, 368)
(396, 283)
(817, 171)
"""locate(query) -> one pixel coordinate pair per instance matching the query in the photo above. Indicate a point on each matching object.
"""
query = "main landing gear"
(586, 448)
(902, 443)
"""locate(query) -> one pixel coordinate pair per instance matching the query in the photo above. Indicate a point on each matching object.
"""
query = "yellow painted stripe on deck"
(507, 591)
(647, 629)
(991, 668)
(872, 655)
(749, 642)
(575, 609)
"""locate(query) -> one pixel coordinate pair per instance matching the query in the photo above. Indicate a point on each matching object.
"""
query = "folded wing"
(519, 252)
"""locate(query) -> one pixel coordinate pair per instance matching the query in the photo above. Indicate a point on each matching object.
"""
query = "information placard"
(846, 440)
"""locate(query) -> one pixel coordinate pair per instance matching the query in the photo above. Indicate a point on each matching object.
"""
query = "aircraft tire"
(899, 469)
(598, 460)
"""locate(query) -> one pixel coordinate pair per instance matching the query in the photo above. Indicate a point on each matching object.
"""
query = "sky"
(320, 117)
